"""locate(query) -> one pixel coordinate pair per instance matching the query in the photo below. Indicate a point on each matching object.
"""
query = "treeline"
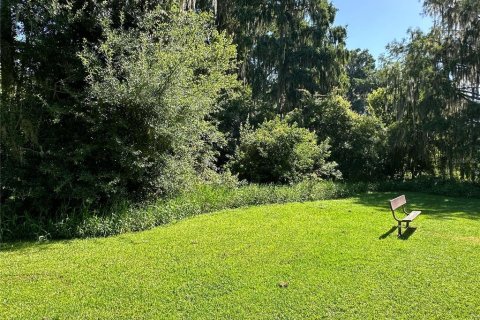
(106, 102)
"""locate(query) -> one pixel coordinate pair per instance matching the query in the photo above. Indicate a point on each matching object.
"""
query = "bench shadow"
(407, 233)
(389, 232)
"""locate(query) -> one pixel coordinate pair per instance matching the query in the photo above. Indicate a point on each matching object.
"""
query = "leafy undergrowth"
(124, 217)
(325, 259)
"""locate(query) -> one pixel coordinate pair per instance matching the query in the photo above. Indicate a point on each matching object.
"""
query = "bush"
(281, 153)
(357, 141)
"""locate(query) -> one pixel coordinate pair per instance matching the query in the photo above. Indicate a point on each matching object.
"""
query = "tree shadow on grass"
(432, 206)
(23, 246)
(36, 246)
(30, 246)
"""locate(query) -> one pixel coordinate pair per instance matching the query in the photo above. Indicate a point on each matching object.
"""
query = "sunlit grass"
(325, 259)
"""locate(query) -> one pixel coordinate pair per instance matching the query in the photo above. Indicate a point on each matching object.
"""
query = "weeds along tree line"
(111, 101)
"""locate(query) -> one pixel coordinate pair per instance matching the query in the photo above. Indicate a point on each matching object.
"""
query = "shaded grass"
(332, 259)
(450, 188)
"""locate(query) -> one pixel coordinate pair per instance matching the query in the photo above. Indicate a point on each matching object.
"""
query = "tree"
(418, 89)
(429, 109)
(7, 49)
(362, 78)
(167, 76)
(381, 105)
(285, 46)
(458, 25)
(40, 103)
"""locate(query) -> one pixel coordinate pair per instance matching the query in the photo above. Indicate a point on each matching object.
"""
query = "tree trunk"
(6, 49)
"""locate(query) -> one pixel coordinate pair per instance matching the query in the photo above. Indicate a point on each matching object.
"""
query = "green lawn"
(340, 258)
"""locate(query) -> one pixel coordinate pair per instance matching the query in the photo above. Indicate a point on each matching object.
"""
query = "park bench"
(398, 202)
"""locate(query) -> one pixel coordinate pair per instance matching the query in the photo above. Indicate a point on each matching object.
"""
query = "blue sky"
(372, 24)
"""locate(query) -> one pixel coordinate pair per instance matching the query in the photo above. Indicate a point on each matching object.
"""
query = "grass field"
(326, 259)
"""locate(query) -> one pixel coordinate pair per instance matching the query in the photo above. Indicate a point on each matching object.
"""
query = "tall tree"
(285, 46)
(417, 87)
(362, 78)
(430, 105)
(7, 48)
(458, 23)
(458, 26)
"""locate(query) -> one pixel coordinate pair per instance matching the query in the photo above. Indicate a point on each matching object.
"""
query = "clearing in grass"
(333, 259)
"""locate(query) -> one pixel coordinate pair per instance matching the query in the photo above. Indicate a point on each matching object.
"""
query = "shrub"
(357, 141)
(281, 153)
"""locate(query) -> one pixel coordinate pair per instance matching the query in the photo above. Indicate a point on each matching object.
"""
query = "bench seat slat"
(411, 216)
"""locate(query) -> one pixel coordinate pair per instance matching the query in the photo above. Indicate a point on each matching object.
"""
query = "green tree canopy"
(362, 78)
(284, 46)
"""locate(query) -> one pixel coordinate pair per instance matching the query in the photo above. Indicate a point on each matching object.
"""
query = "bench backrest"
(397, 202)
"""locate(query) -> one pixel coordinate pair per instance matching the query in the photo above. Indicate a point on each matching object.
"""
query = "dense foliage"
(140, 126)
(432, 80)
(155, 131)
(362, 78)
(358, 141)
(284, 46)
(112, 102)
(282, 153)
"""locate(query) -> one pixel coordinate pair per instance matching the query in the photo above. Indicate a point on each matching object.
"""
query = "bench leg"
(408, 223)
(399, 228)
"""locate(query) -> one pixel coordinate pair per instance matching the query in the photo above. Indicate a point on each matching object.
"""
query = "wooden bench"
(401, 202)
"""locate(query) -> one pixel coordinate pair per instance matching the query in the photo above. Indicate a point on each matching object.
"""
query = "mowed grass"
(333, 259)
